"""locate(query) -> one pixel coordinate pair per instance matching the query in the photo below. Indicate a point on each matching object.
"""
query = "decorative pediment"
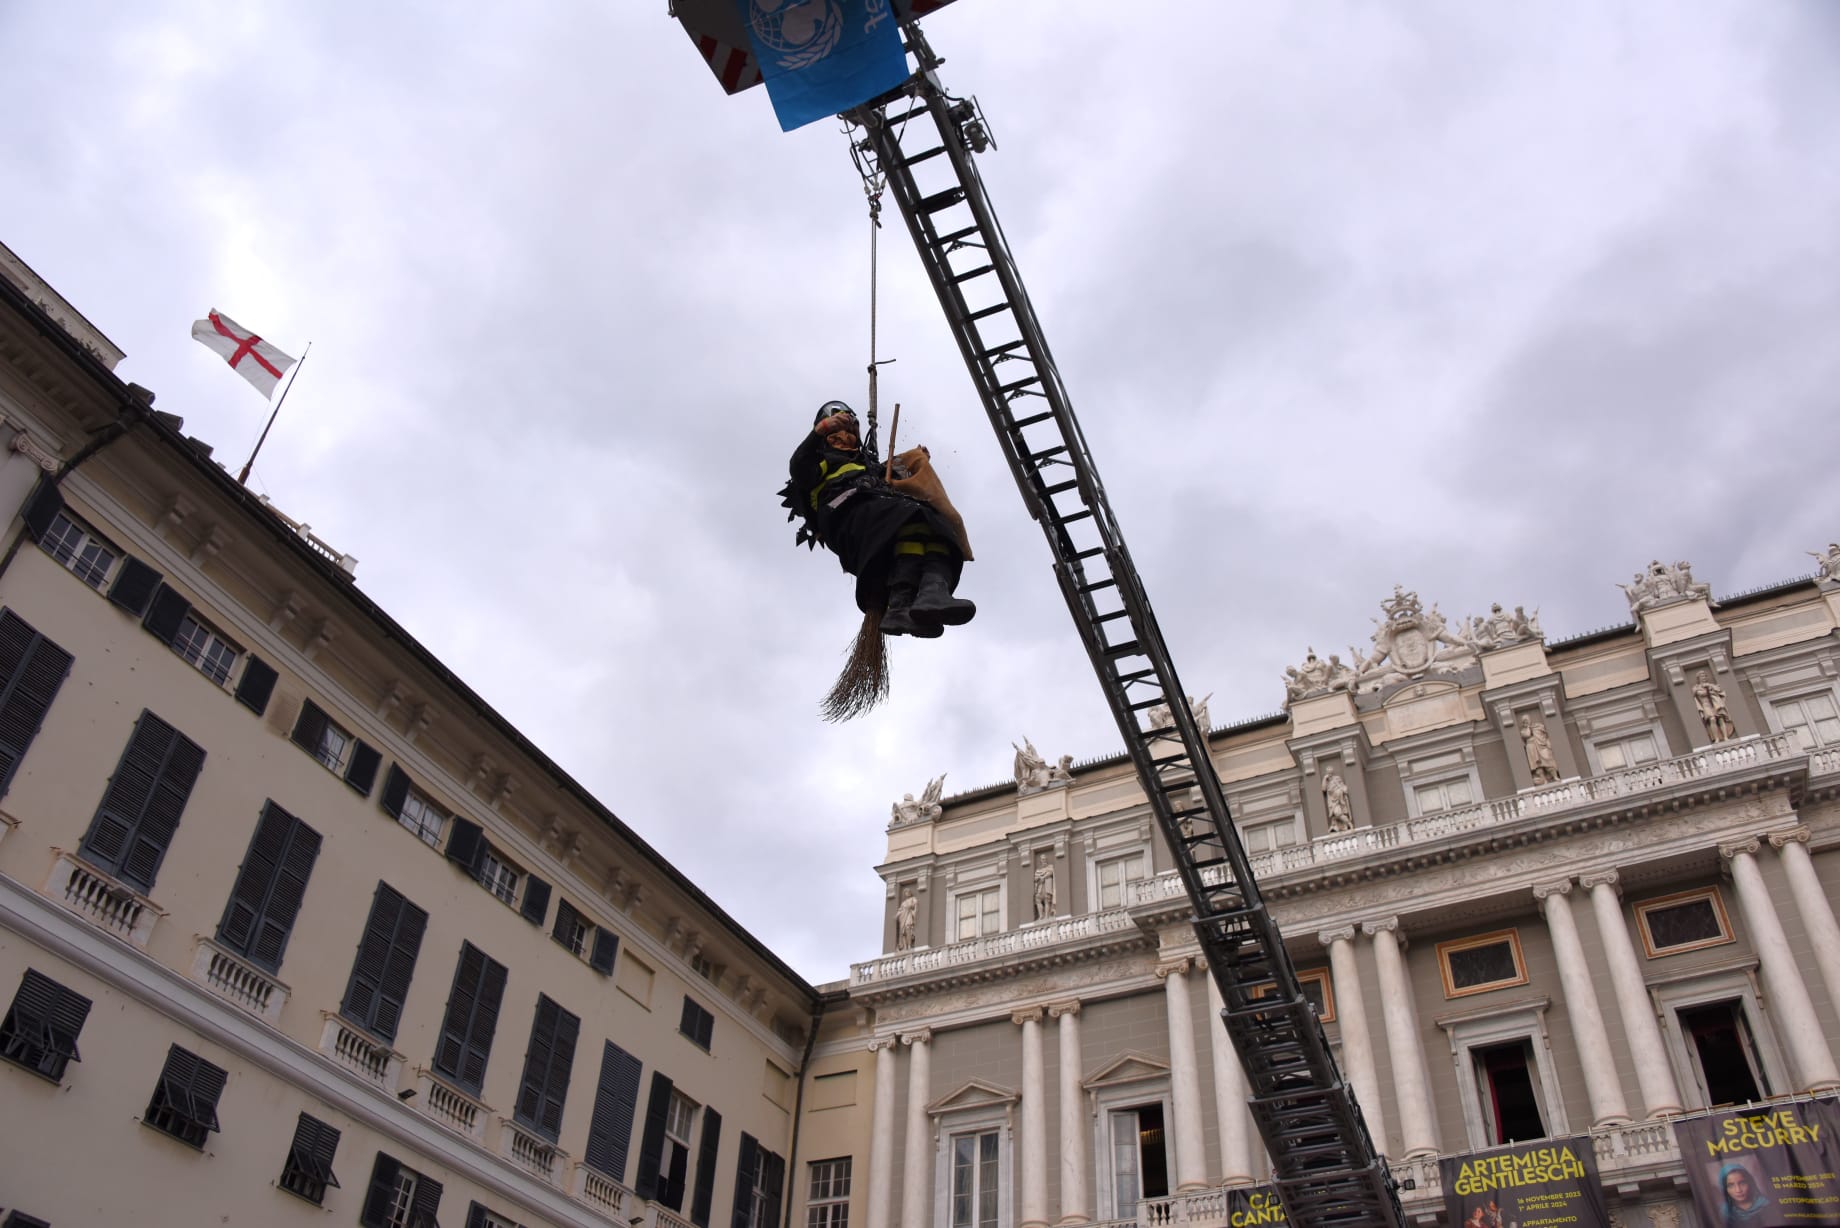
(976, 1094)
(1127, 1068)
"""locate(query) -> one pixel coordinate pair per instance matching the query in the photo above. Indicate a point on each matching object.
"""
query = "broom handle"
(894, 427)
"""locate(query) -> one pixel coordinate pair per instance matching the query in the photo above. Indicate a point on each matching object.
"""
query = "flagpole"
(242, 479)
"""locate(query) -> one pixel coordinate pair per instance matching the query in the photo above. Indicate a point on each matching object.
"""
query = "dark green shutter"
(536, 900)
(310, 727)
(746, 1169)
(425, 1203)
(651, 1143)
(606, 948)
(475, 1216)
(395, 791)
(133, 587)
(269, 887)
(471, 1019)
(256, 685)
(385, 963)
(361, 772)
(706, 1168)
(773, 1170)
(141, 807)
(165, 614)
(547, 1065)
(466, 845)
(33, 669)
(43, 507)
(610, 1130)
(382, 1193)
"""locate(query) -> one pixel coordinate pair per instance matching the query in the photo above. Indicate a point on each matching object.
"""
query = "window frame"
(1457, 945)
(828, 1207)
(978, 891)
(1621, 740)
(1644, 907)
(948, 1148)
(1732, 982)
(1773, 703)
(417, 824)
(185, 1097)
(1119, 858)
(1487, 1028)
(78, 556)
(1310, 976)
(490, 860)
(1289, 823)
(697, 1024)
(306, 1156)
(1434, 768)
(582, 930)
(212, 649)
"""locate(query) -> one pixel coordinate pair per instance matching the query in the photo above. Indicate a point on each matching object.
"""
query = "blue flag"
(820, 57)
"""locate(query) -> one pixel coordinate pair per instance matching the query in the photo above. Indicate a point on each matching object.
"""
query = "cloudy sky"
(1498, 302)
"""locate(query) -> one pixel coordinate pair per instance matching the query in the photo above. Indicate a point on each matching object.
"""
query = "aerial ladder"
(921, 140)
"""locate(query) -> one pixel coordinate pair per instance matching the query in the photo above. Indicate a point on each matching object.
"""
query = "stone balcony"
(1039, 942)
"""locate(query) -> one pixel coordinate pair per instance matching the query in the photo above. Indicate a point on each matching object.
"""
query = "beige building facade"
(292, 924)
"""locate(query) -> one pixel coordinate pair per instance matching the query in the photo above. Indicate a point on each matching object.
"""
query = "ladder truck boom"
(921, 140)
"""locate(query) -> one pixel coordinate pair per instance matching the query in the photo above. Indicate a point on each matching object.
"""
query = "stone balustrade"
(236, 980)
(371, 1059)
(537, 1156)
(112, 906)
(1036, 936)
(601, 1192)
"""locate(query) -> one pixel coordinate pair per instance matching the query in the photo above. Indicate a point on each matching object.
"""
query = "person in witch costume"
(899, 538)
(905, 553)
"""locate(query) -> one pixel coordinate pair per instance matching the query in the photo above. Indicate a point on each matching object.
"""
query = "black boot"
(934, 602)
(903, 583)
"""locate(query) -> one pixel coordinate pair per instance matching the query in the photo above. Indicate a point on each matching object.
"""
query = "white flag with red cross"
(254, 359)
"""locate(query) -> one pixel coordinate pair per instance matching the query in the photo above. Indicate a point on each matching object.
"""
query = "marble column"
(1660, 1094)
(1190, 1156)
(1782, 980)
(1357, 1043)
(1238, 1137)
(1590, 1039)
(1411, 1088)
(1811, 903)
(1076, 1177)
(1034, 1121)
(917, 1171)
(881, 1132)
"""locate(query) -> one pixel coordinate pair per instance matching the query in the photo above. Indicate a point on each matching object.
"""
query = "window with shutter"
(323, 738)
(827, 1202)
(256, 685)
(466, 845)
(706, 1168)
(478, 1216)
(571, 928)
(269, 888)
(361, 772)
(40, 1029)
(536, 900)
(32, 669)
(134, 586)
(140, 809)
(615, 1097)
(196, 641)
(759, 1178)
(652, 1143)
(82, 551)
(184, 1102)
(547, 1064)
(500, 877)
(606, 949)
(399, 1197)
(307, 1171)
(385, 962)
(19, 1219)
(471, 1019)
(697, 1024)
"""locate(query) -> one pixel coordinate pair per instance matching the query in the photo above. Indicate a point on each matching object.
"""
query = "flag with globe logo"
(820, 57)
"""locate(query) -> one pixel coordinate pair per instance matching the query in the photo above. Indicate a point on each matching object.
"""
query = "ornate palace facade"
(1537, 889)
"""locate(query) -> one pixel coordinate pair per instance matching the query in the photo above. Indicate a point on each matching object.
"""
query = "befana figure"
(893, 529)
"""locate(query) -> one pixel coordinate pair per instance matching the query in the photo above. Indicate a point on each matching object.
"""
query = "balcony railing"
(345, 1044)
(450, 1106)
(601, 1192)
(1036, 936)
(111, 906)
(1364, 842)
(534, 1155)
(233, 978)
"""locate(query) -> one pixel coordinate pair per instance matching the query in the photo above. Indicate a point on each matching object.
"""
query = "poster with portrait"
(1551, 1183)
(1770, 1166)
(1254, 1207)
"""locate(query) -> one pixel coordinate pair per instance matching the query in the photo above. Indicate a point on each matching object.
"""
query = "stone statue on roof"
(1663, 584)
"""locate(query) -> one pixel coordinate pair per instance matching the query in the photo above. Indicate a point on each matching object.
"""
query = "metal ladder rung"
(1003, 351)
(1062, 487)
(1067, 518)
(1050, 454)
(1087, 554)
(942, 200)
(895, 120)
(1106, 618)
(1006, 389)
(1031, 420)
(959, 279)
(956, 235)
(1096, 585)
(988, 311)
(921, 157)
(1128, 648)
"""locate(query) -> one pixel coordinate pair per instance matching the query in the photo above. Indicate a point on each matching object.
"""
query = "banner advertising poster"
(1764, 1166)
(1551, 1183)
(1254, 1206)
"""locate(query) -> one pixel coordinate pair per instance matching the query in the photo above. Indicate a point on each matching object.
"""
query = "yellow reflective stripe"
(824, 470)
(909, 548)
(938, 547)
